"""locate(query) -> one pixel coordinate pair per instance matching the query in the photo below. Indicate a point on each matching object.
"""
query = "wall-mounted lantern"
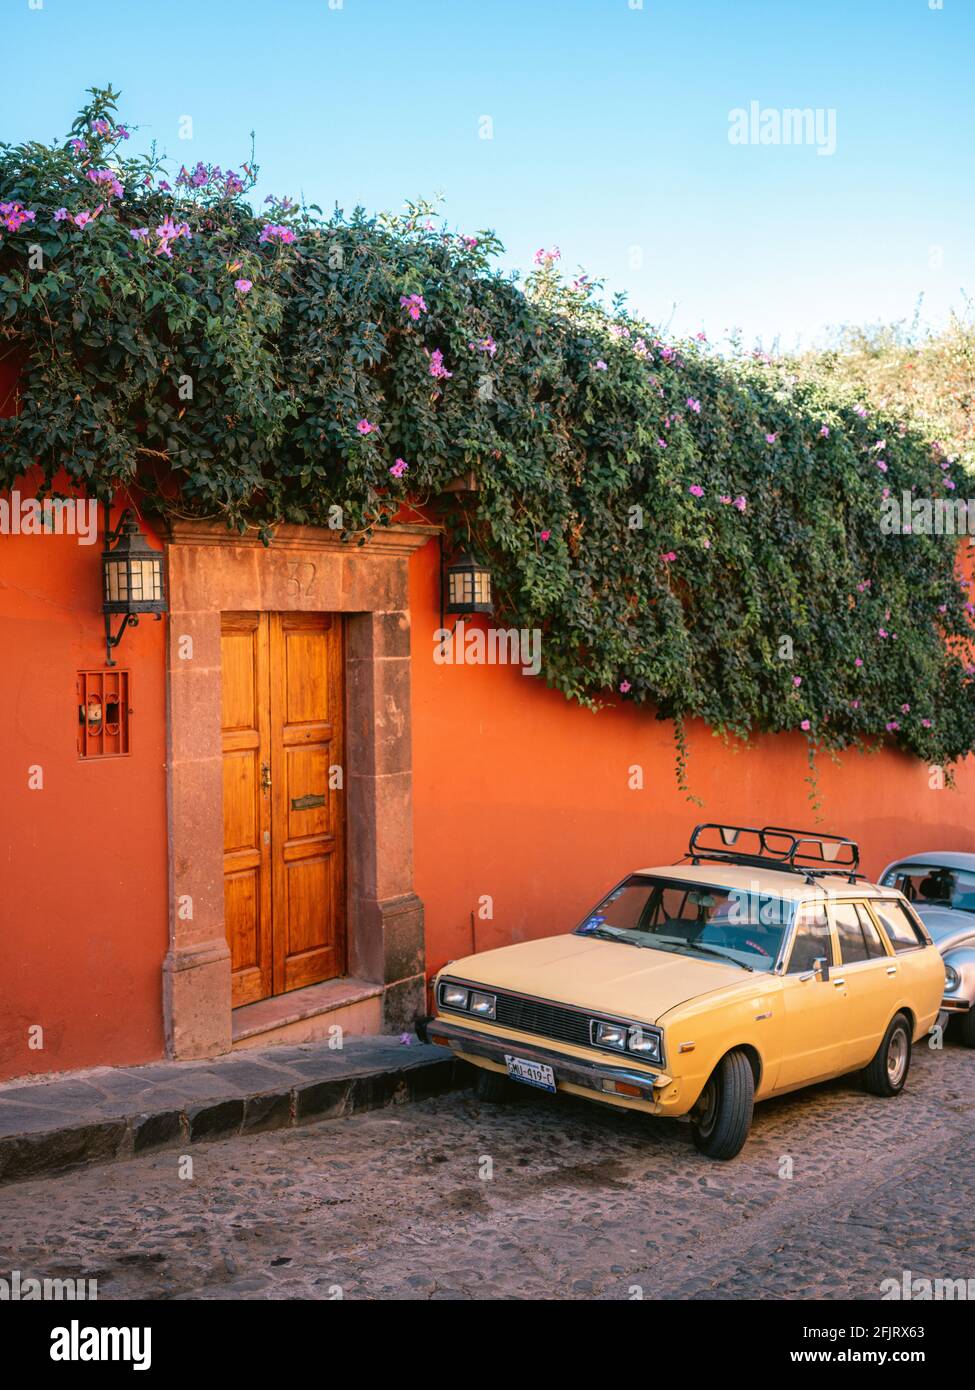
(468, 587)
(132, 575)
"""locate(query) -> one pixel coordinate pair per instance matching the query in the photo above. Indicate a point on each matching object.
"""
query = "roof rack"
(806, 852)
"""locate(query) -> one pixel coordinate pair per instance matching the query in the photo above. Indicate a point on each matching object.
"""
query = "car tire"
(887, 1073)
(490, 1086)
(723, 1116)
(965, 1028)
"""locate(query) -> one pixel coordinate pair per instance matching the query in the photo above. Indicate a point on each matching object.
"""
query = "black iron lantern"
(468, 587)
(132, 579)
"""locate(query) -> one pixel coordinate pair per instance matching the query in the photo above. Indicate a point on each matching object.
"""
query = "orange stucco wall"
(520, 799)
(83, 877)
(524, 798)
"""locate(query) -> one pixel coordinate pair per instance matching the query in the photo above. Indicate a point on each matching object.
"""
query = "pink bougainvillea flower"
(701, 337)
(880, 444)
(365, 427)
(399, 468)
(544, 535)
(694, 405)
(487, 345)
(854, 704)
(60, 214)
(640, 348)
(414, 304)
(725, 498)
(905, 709)
(882, 632)
(543, 257)
(107, 180)
(706, 543)
(244, 286)
(881, 465)
(860, 410)
(661, 443)
(892, 726)
(805, 725)
(81, 219)
(139, 233)
(942, 608)
(169, 231)
(696, 490)
(925, 723)
(469, 241)
(797, 681)
(741, 503)
(276, 231)
(437, 367)
(949, 484)
(824, 431)
(625, 687)
(600, 366)
(858, 661)
(771, 438)
(14, 215)
(79, 146)
(669, 556)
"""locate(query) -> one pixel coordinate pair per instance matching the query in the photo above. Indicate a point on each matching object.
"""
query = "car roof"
(758, 879)
(944, 859)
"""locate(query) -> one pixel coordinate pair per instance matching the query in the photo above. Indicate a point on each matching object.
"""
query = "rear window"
(901, 931)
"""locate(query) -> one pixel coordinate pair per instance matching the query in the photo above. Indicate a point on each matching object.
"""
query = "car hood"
(604, 976)
(947, 925)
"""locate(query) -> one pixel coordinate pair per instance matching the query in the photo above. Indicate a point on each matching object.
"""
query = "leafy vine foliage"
(699, 533)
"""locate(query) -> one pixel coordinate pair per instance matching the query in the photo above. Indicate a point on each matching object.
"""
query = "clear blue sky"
(610, 131)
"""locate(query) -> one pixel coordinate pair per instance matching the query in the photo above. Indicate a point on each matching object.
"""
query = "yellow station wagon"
(761, 963)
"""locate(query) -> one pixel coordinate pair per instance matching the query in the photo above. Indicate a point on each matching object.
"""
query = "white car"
(940, 886)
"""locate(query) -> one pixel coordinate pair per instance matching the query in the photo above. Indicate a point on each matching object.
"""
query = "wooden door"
(284, 862)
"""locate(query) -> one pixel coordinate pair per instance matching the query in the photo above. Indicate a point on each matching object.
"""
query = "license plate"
(531, 1073)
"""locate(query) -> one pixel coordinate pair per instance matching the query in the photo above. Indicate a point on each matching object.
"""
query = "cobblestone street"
(582, 1203)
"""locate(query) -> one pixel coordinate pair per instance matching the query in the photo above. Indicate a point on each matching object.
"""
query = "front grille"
(548, 1020)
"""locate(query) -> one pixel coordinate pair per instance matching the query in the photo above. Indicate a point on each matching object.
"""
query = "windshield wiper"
(606, 934)
(722, 955)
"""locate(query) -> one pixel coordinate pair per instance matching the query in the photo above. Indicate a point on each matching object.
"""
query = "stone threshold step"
(115, 1113)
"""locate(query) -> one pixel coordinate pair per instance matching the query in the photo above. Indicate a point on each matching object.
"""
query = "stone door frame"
(212, 571)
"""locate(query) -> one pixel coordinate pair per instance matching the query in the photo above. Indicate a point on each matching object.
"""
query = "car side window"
(812, 940)
(901, 932)
(871, 936)
(849, 931)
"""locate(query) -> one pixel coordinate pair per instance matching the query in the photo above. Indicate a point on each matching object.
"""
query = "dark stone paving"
(112, 1113)
(835, 1191)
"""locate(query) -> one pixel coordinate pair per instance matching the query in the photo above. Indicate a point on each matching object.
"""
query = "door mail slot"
(305, 803)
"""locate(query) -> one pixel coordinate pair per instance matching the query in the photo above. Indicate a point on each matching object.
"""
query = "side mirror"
(821, 968)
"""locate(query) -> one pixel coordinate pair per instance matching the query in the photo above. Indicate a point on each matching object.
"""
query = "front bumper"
(953, 1005)
(598, 1076)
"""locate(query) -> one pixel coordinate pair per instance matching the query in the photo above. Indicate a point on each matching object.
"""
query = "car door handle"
(837, 983)
(892, 970)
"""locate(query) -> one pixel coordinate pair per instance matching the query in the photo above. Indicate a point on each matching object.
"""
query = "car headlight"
(645, 1044)
(609, 1034)
(483, 1004)
(952, 978)
(454, 996)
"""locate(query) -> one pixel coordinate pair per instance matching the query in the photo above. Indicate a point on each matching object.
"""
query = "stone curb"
(47, 1146)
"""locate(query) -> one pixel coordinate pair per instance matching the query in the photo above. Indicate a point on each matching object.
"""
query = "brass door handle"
(265, 777)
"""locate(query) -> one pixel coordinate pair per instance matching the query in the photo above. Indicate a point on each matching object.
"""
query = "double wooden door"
(284, 860)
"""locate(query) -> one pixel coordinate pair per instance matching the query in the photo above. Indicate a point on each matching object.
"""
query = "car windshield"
(928, 885)
(739, 926)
